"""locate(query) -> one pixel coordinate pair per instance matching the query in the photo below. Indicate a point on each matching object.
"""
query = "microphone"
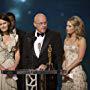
(39, 46)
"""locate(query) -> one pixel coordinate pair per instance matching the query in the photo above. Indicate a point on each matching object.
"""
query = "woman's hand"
(12, 68)
(64, 72)
(2, 68)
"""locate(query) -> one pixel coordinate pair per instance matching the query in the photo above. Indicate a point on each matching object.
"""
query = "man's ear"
(34, 24)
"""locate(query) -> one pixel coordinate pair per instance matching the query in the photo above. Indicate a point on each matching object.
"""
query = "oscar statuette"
(50, 64)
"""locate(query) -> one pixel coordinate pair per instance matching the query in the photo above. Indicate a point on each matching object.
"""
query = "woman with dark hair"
(9, 53)
(74, 77)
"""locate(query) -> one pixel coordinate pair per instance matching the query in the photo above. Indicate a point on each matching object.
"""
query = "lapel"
(46, 41)
(33, 40)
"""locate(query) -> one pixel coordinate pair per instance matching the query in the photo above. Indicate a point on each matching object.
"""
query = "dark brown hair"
(3, 16)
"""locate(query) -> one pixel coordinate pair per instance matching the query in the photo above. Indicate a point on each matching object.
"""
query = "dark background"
(57, 11)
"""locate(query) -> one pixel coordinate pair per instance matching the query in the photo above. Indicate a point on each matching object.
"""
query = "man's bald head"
(40, 22)
(38, 16)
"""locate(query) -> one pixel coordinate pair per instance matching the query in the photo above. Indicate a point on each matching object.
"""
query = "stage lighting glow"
(23, 0)
(20, 1)
(16, 12)
(62, 13)
(29, 12)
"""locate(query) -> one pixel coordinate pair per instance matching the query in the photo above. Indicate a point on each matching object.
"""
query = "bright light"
(23, 0)
(17, 1)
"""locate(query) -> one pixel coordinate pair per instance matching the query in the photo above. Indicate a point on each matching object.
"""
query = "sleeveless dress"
(76, 79)
(7, 60)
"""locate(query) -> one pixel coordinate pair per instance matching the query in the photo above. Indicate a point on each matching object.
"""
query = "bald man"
(36, 49)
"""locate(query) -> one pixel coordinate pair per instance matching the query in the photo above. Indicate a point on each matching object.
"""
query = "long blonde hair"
(78, 25)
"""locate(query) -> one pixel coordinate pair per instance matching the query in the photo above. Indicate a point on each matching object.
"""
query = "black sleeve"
(58, 51)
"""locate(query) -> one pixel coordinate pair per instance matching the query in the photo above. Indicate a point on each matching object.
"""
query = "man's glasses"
(42, 23)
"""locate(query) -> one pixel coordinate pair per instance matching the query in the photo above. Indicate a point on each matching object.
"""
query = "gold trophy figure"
(49, 64)
(49, 67)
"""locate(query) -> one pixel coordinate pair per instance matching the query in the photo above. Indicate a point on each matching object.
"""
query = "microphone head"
(39, 46)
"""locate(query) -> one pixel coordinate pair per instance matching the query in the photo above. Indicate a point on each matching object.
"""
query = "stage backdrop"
(57, 11)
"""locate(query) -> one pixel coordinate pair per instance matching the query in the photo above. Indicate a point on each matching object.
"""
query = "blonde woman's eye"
(69, 25)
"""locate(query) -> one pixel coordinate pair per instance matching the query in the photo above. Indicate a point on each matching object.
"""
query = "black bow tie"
(40, 34)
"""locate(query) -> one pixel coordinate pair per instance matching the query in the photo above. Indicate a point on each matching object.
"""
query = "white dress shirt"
(38, 44)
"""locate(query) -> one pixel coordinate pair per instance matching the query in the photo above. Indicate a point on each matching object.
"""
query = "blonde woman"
(74, 77)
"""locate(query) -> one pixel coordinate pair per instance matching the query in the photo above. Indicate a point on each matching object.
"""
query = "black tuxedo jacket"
(30, 61)
(29, 58)
(21, 34)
